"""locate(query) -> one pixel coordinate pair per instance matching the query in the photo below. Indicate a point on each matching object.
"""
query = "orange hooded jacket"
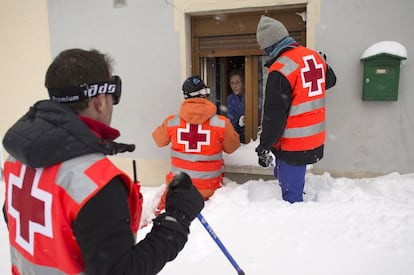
(198, 137)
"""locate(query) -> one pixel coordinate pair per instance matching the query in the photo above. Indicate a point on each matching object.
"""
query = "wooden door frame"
(251, 66)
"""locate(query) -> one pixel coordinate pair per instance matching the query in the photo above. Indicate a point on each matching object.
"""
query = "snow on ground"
(344, 226)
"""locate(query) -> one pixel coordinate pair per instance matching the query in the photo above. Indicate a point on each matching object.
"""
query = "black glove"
(265, 159)
(183, 200)
(113, 148)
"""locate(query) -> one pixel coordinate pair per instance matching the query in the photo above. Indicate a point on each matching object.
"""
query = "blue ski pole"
(220, 244)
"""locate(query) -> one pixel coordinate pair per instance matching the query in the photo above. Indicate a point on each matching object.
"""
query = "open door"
(216, 74)
(222, 42)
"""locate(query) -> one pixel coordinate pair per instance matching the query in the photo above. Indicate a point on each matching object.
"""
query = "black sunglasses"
(87, 91)
(116, 96)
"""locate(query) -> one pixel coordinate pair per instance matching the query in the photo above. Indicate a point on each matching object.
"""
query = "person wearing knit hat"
(197, 137)
(293, 121)
(270, 31)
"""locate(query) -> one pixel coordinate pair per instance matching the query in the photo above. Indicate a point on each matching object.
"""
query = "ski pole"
(220, 244)
(134, 169)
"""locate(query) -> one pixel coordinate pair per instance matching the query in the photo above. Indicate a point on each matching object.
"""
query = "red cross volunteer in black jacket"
(293, 125)
(68, 208)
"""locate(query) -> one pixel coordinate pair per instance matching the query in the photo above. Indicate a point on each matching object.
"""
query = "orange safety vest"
(305, 126)
(42, 204)
(197, 150)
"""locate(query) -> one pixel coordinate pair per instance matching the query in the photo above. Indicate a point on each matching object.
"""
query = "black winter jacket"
(50, 133)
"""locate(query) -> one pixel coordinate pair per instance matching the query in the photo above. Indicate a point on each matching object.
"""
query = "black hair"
(74, 67)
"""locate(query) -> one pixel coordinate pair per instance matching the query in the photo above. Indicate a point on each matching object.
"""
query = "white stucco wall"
(142, 40)
(366, 136)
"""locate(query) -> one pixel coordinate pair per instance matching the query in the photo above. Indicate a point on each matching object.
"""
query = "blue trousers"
(291, 179)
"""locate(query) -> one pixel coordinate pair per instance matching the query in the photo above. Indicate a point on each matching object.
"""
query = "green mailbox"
(381, 77)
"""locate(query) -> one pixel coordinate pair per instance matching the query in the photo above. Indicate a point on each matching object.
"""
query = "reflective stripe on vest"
(174, 121)
(29, 268)
(216, 122)
(307, 107)
(86, 186)
(289, 66)
(195, 157)
(197, 174)
(304, 131)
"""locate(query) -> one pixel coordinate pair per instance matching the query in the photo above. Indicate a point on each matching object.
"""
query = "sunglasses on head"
(87, 91)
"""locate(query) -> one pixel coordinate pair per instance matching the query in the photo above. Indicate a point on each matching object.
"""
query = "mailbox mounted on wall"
(382, 71)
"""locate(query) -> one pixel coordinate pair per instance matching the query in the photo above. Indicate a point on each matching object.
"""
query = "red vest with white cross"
(197, 150)
(42, 204)
(305, 126)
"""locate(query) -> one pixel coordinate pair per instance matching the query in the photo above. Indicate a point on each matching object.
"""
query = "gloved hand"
(183, 201)
(265, 159)
(113, 148)
(241, 121)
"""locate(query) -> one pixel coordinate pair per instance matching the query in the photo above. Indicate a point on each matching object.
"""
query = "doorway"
(226, 41)
(217, 70)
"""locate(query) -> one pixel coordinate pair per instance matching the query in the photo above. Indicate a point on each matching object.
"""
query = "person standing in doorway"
(68, 208)
(293, 126)
(198, 138)
(236, 103)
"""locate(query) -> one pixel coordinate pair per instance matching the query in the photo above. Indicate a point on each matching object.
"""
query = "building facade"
(157, 44)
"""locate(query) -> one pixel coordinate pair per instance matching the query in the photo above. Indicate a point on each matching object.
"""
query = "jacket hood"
(197, 110)
(50, 133)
